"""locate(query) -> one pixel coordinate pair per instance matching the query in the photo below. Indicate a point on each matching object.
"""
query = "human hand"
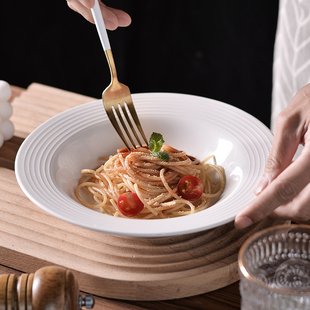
(113, 18)
(284, 190)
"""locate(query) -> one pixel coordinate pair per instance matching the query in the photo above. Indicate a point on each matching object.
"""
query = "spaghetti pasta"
(153, 180)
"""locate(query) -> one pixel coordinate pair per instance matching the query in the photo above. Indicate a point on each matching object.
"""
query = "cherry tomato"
(190, 188)
(129, 204)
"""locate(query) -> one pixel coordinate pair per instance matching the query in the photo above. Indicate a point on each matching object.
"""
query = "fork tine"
(135, 117)
(124, 110)
(118, 111)
(114, 122)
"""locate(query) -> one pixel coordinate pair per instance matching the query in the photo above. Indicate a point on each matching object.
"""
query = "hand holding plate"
(283, 191)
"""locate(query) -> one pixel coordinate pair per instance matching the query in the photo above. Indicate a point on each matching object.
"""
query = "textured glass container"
(274, 267)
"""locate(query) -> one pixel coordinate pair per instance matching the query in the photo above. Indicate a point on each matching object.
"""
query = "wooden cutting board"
(105, 265)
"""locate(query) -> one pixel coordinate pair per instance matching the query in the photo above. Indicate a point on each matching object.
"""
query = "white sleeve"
(291, 69)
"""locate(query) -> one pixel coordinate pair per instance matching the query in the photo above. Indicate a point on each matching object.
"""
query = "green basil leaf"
(156, 142)
(164, 156)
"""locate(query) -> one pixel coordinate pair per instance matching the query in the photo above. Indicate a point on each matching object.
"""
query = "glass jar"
(274, 268)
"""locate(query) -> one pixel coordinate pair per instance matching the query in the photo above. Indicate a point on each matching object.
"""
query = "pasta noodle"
(153, 180)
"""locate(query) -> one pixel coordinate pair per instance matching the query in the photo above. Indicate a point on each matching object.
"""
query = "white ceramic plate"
(49, 162)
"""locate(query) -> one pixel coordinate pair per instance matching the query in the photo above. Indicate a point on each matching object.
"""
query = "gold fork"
(116, 97)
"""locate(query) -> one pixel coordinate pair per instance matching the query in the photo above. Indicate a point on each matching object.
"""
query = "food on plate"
(152, 182)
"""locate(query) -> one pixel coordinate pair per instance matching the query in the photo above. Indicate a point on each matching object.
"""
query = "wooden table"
(25, 120)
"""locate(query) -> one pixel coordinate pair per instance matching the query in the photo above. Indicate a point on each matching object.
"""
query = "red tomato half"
(129, 204)
(190, 188)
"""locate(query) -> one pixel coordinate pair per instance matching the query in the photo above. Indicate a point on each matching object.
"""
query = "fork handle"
(97, 15)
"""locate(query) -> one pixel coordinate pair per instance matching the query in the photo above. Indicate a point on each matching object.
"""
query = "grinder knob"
(49, 288)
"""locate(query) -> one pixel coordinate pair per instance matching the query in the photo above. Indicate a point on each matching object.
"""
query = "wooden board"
(105, 265)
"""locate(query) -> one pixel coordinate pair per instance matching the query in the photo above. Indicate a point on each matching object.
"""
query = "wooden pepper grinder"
(49, 288)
